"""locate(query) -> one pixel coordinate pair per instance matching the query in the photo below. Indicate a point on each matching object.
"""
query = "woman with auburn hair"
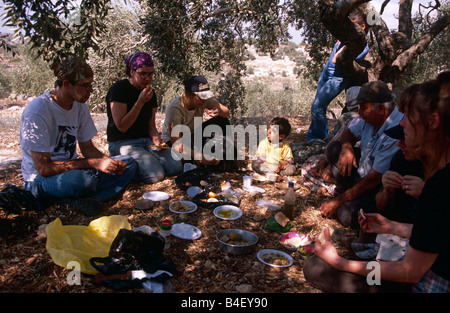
(425, 265)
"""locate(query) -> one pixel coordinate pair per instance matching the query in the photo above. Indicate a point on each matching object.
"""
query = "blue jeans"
(153, 166)
(328, 88)
(82, 183)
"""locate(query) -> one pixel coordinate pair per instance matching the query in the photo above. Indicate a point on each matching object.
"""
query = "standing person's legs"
(329, 90)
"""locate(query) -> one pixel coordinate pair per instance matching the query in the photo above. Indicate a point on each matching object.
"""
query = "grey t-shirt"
(177, 114)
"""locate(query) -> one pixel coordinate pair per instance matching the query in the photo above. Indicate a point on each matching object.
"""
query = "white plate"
(268, 204)
(261, 254)
(193, 191)
(192, 204)
(156, 196)
(253, 189)
(186, 231)
(237, 212)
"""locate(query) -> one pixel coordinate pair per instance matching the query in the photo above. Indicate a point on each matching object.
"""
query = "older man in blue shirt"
(358, 171)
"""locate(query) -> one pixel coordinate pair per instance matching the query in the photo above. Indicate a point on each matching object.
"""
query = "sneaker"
(86, 206)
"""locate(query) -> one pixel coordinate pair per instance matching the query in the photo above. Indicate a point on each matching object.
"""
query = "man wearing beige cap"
(358, 171)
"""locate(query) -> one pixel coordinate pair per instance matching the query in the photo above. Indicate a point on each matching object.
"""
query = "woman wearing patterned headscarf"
(131, 108)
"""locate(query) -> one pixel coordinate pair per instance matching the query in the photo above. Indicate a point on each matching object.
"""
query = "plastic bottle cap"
(291, 184)
(166, 225)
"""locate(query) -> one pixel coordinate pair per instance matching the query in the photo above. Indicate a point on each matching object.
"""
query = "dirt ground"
(26, 266)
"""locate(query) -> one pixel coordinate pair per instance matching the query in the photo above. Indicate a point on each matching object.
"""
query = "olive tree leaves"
(57, 29)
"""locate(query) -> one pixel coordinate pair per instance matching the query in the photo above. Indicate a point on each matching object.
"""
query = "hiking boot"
(14, 199)
(86, 206)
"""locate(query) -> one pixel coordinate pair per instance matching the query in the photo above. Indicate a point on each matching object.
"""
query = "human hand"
(109, 166)
(212, 112)
(374, 223)
(317, 170)
(412, 185)
(346, 162)
(281, 166)
(391, 180)
(329, 208)
(208, 160)
(157, 141)
(145, 95)
(325, 249)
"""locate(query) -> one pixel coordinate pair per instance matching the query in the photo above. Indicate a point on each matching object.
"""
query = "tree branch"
(335, 19)
(383, 6)
(402, 61)
(405, 24)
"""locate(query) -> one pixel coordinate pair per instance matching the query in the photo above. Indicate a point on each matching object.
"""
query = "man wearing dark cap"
(196, 99)
(358, 171)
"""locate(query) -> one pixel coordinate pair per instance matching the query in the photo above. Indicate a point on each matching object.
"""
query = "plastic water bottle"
(289, 202)
(165, 228)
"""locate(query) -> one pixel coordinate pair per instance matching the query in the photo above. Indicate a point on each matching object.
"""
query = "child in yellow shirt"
(274, 155)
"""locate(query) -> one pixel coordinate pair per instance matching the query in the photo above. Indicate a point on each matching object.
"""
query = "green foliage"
(5, 82)
(432, 61)
(263, 99)
(32, 77)
(7, 46)
(58, 29)
(209, 36)
(121, 37)
(305, 15)
(185, 38)
(231, 92)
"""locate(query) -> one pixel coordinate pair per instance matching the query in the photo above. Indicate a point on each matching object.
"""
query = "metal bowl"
(234, 249)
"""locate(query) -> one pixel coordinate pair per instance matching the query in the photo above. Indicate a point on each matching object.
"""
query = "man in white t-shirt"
(51, 126)
(196, 99)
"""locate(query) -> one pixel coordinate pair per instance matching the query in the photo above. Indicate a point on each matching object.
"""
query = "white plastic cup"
(247, 181)
(272, 177)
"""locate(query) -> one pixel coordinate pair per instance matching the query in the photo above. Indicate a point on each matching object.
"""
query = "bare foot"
(327, 175)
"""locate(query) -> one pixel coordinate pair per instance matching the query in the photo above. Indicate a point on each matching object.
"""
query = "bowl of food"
(293, 240)
(275, 258)
(236, 241)
(227, 212)
(182, 207)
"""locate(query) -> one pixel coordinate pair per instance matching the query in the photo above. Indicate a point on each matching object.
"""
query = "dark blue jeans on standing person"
(328, 88)
(83, 183)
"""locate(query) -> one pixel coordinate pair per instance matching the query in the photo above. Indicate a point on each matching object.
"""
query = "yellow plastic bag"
(81, 243)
